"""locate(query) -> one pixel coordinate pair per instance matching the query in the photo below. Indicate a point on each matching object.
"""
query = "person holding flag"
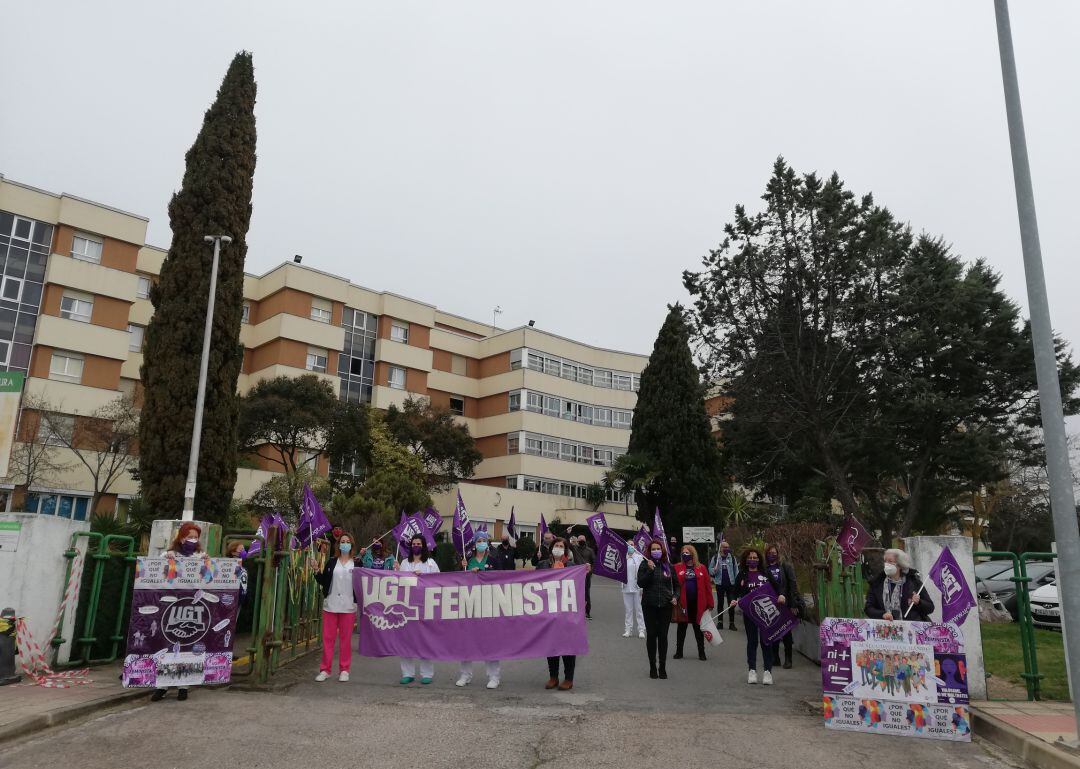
(656, 579)
(751, 575)
(631, 593)
(481, 561)
(897, 593)
(783, 574)
(339, 608)
(376, 556)
(419, 562)
(695, 598)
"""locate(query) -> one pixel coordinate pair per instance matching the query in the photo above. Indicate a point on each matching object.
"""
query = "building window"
(458, 364)
(533, 445)
(536, 362)
(457, 405)
(142, 290)
(356, 363)
(399, 332)
(321, 310)
(135, 337)
(602, 416)
(316, 360)
(86, 247)
(78, 307)
(513, 443)
(622, 381)
(584, 375)
(515, 359)
(60, 505)
(55, 429)
(245, 313)
(25, 246)
(511, 481)
(637, 382)
(622, 419)
(66, 366)
(396, 380)
(11, 289)
(515, 401)
(602, 378)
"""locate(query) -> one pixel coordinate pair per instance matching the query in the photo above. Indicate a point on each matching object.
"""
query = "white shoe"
(627, 634)
(641, 634)
(493, 683)
(752, 678)
(766, 679)
(463, 681)
(323, 675)
(344, 676)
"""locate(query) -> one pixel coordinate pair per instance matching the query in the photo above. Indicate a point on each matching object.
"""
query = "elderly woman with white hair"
(897, 594)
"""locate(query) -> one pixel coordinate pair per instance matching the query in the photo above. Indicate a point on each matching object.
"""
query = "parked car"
(990, 569)
(1002, 586)
(1046, 607)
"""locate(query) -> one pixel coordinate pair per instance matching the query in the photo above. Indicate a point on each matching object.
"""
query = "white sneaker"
(323, 675)
(463, 681)
(641, 634)
(493, 683)
(627, 634)
(344, 676)
(766, 679)
(752, 678)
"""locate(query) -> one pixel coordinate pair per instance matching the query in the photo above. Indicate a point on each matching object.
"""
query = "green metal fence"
(839, 591)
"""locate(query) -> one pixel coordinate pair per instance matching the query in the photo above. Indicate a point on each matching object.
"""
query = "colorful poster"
(183, 620)
(906, 678)
(488, 615)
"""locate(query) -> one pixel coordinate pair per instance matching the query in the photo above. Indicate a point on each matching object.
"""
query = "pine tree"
(671, 431)
(215, 199)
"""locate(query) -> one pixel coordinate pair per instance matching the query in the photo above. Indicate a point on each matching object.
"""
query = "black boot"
(663, 671)
(787, 659)
(158, 695)
(652, 672)
(701, 653)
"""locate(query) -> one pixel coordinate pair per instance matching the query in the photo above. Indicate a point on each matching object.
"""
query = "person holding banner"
(695, 598)
(184, 545)
(339, 609)
(583, 554)
(657, 582)
(724, 568)
(631, 593)
(783, 574)
(481, 561)
(375, 556)
(419, 562)
(751, 575)
(559, 557)
(897, 593)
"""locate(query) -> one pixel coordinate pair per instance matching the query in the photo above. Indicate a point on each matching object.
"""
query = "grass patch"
(1004, 658)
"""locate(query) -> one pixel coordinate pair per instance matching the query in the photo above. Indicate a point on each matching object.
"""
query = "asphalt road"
(705, 714)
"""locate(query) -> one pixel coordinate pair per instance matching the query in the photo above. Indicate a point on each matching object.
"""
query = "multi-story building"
(548, 414)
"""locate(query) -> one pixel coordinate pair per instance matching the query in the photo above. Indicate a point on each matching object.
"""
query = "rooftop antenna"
(495, 318)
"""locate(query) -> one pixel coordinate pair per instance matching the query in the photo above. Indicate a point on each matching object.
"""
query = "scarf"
(892, 593)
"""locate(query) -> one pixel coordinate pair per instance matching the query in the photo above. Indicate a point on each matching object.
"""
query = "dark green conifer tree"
(214, 199)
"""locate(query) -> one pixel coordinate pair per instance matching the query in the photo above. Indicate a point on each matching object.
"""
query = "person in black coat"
(896, 589)
(656, 579)
(502, 557)
(753, 574)
(783, 574)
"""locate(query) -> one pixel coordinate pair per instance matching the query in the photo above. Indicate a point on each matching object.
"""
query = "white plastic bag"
(708, 628)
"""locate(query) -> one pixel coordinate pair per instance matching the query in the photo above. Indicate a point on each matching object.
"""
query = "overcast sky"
(565, 160)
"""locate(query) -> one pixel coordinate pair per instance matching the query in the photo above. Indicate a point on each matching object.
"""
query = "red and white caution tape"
(71, 591)
(33, 664)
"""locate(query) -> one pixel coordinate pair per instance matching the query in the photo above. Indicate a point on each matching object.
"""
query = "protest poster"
(472, 615)
(905, 678)
(762, 606)
(183, 622)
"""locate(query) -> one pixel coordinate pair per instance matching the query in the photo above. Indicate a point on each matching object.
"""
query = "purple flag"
(269, 520)
(511, 525)
(658, 532)
(956, 597)
(463, 535)
(313, 523)
(421, 527)
(399, 531)
(458, 615)
(597, 523)
(413, 526)
(642, 540)
(543, 527)
(851, 540)
(433, 520)
(610, 556)
(761, 606)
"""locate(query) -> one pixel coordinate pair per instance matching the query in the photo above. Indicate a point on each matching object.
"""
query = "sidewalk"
(1042, 733)
(26, 708)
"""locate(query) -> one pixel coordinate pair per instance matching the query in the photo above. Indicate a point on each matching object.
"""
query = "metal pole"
(1062, 502)
(200, 398)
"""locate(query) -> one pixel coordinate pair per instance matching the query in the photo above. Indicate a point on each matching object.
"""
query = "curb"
(32, 724)
(1032, 750)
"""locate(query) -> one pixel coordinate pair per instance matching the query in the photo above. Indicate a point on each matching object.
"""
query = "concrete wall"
(32, 576)
(924, 551)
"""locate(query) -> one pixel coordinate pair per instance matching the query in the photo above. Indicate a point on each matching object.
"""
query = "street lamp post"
(1062, 502)
(200, 398)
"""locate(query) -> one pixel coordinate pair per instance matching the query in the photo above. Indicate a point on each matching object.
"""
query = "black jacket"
(875, 599)
(502, 560)
(788, 587)
(543, 553)
(325, 578)
(656, 589)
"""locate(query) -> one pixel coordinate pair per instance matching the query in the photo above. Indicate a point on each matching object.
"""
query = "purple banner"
(263, 531)
(511, 525)
(313, 523)
(642, 540)
(597, 523)
(610, 556)
(851, 540)
(183, 622)
(658, 533)
(433, 520)
(543, 527)
(409, 527)
(464, 538)
(761, 606)
(493, 615)
(956, 597)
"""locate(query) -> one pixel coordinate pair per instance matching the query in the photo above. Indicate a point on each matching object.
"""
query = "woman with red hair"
(186, 544)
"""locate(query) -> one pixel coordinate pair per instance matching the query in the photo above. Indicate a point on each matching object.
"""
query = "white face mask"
(891, 570)
(557, 552)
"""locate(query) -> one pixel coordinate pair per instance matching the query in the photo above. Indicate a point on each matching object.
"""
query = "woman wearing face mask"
(751, 575)
(184, 545)
(339, 609)
(419, 562)
(376, 556)
(481, 561)
(783, 574)
(723, 568)
(656, 579)
(559, 557)
(896, 589)
(631, 594)
(695, 598)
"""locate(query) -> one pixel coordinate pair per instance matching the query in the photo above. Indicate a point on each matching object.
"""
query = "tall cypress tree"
(672, 432)
(215, 199)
